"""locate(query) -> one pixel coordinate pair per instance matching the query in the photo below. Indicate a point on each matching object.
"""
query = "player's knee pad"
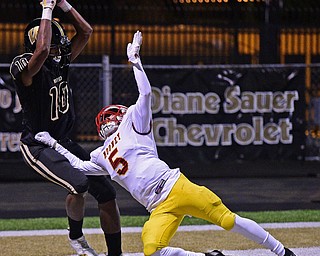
(101, 189)
(228, 220)
(222, 216)
(81, 188)
(104, 196)
(150, 249)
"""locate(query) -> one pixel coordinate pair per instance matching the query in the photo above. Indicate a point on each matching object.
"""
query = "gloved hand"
(48, 4)
(134, 48)
(46, 138)
(64, 5)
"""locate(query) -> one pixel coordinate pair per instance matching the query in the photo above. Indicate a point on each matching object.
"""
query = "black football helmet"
(60, 43)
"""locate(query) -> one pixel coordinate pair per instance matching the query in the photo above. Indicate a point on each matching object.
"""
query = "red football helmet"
(109, 119)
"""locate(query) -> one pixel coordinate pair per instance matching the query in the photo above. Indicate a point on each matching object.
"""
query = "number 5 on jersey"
(116, 161)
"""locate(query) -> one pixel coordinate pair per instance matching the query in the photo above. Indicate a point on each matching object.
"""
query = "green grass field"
(302, 240)
(137, 221)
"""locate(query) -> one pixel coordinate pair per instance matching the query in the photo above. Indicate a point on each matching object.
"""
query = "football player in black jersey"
(41, 79)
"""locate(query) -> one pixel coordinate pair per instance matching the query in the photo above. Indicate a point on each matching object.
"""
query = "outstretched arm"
(87, 167)
(43, 41)
(82, 27)
(142, 113)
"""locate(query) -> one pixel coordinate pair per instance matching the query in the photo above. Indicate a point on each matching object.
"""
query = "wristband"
(65, 6)
(46, 14)
(54, 144)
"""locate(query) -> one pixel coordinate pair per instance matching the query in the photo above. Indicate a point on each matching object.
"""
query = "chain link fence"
(98, 84)
(86, 81)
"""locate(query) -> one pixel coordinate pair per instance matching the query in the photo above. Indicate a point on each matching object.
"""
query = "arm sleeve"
(88, 167)
(18, 64)
(142, 113)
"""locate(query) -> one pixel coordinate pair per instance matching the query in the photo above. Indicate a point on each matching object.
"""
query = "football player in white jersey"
(129, 156)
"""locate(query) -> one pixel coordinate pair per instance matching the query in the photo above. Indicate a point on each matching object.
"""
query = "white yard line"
(311, 251)
(188, 228)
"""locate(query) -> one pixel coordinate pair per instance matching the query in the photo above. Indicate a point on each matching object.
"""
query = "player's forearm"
(83, 33)
(84, 166)
(74, 160)
(142, 114)
(43, 39)
(41, 52)
(143, 83)
(81, 26)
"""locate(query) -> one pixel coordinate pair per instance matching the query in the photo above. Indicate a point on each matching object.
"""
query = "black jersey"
(47, 104)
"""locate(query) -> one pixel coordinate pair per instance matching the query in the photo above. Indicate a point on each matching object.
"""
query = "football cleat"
(287, 252)
(214, 253)
(82, 247)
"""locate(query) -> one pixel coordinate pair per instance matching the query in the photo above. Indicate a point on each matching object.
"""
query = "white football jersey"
(131, 159)
(130, 155)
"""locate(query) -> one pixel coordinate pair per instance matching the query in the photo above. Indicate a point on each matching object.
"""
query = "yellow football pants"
(185, 198)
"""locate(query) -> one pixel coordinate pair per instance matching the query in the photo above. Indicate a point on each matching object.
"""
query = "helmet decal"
(33, 34)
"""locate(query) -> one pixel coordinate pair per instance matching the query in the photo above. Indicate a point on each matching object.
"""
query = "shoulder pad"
(19, 63)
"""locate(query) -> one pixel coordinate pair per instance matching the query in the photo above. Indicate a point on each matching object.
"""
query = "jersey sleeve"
(87, 167)
(18, 64)
(142, 114)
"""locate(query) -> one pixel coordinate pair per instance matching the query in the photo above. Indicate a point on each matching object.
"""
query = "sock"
(75, 228)
(256, 233)
(274, 245)
(113, 243)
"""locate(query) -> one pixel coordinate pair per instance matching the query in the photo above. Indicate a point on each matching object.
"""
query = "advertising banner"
(231, 116)
(11, 120)
(208, 121)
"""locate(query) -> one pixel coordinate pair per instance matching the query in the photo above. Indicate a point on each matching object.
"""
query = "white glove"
(48, 4)
(46, 138)
(134, 48)
(64, 5)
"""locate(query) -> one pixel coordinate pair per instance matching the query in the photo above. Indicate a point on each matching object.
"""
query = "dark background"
(268, 17)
